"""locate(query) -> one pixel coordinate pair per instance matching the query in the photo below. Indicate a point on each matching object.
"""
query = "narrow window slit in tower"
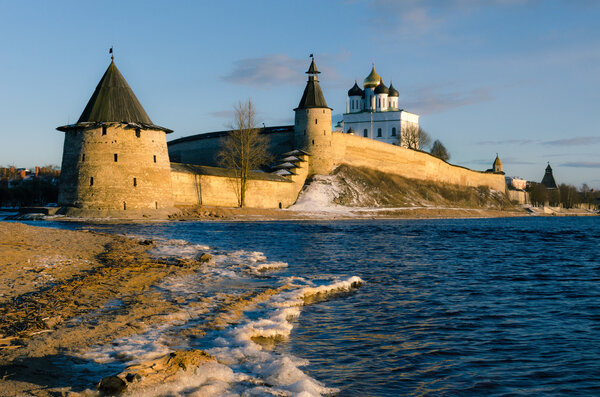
(83, 157)
(156, 204)
(155, 158)
(316, 121)
(134, 182)
(103, 130)
(313, 141)
(137, 132)
(91, 181)
(124, 205)
(115, 155)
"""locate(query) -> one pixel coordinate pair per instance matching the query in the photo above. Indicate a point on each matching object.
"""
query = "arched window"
(393, 131)
(378, 132)
(365, 133)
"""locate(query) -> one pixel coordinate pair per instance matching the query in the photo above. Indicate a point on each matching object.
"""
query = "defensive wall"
(202, 149)
(520, 196)
(364, 152)
(195, 184)
(202, 185)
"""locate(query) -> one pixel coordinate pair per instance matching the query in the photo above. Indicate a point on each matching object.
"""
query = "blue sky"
(516, 77)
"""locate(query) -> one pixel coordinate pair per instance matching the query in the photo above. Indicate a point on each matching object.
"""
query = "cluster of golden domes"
(373, 81)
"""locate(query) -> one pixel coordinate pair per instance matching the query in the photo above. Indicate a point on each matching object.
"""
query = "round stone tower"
(312, 126)
(114, 157)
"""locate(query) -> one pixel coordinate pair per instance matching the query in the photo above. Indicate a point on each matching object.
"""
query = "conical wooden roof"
(313, 95)
(548, 179)
(312, 69)
(114, 101)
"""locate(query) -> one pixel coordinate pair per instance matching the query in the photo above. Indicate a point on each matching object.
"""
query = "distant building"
(374, 112)
(496, 166)
(516, 183)
(548, 179)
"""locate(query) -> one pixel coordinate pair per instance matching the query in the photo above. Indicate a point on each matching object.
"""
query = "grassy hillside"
(361, 187)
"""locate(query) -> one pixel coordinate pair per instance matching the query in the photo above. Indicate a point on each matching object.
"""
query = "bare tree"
(414, 137)
(244, 149)
(439, 150)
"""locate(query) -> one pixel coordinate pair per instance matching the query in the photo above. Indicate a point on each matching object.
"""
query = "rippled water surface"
(450, 307)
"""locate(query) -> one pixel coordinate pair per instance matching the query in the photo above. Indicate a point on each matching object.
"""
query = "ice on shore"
(240, 346)
(177, 249)
(244, 366)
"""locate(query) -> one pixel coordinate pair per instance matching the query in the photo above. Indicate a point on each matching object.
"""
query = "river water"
(493, 307)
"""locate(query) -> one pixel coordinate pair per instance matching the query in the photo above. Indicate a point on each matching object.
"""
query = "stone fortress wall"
(202, 149)
(199, 185)
(116, 167)
(191, 187)
(364, 152)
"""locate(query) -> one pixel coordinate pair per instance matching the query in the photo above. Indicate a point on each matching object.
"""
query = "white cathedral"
(374, 113)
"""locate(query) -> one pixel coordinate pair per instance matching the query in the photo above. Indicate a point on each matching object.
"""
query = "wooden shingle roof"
(113, 101)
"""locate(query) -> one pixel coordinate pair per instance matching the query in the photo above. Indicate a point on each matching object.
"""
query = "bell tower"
(312, 126)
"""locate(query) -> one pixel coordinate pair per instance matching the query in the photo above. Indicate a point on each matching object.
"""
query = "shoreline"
(62, 292)
(329, 213)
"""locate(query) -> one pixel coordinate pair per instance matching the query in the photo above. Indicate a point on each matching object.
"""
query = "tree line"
(566, 196)
(16, 191)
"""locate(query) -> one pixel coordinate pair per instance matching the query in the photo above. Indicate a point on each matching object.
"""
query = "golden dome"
(372, 79)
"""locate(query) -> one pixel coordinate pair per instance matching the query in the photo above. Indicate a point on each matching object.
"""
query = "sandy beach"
(55, 286)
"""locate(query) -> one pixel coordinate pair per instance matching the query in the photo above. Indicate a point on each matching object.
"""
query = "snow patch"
(319, 196)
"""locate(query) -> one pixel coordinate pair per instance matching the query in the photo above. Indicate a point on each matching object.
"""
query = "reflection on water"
(450, 307)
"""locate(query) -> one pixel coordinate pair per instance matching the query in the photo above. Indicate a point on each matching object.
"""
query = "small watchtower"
(312, 126)
(548, 179)
(497, 166)
(114, 157)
